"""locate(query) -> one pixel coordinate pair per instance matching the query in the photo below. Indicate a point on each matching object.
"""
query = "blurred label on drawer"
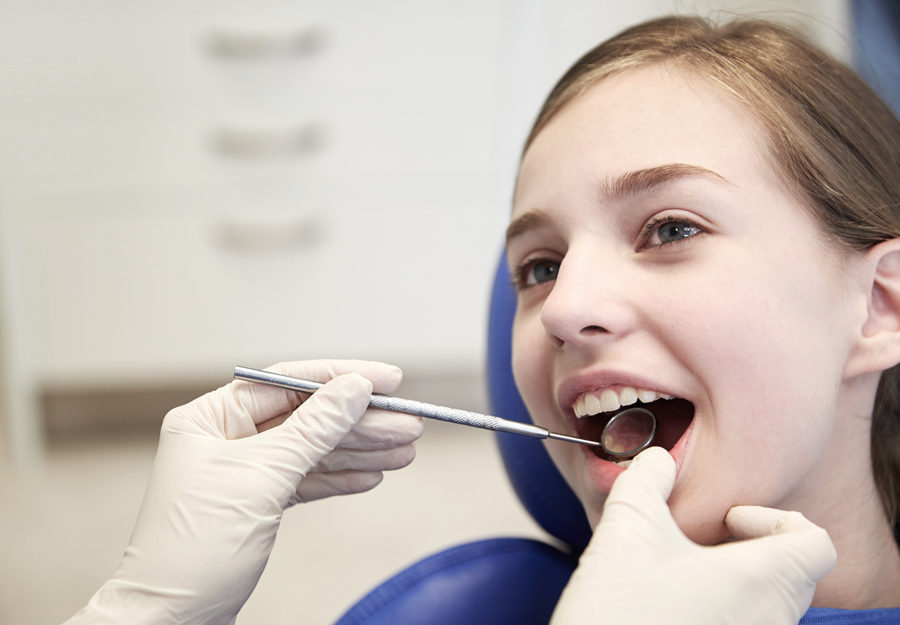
(267, 234)
(252, 143)
(246, 44)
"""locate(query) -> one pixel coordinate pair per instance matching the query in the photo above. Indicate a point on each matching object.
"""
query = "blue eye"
(665, 231)
(537, 272)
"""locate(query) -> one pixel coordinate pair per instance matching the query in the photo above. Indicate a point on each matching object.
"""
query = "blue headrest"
(534, 477)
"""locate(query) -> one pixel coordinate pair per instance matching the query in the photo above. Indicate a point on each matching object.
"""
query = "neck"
(843, 499)
(867, 574)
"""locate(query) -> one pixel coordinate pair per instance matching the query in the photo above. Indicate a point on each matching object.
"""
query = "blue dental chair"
(501, 580)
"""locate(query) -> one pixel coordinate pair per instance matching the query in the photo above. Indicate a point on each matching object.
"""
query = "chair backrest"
(537, 482)
(500, 581)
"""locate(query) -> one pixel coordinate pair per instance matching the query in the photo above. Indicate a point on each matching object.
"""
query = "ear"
(878, 346)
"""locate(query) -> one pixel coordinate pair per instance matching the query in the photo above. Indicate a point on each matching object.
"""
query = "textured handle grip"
(441, 413)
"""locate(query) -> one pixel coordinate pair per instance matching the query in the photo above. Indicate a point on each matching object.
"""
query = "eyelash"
(518, 276)
(655, 222)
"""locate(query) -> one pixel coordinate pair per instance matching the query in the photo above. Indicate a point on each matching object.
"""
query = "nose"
(590, 302)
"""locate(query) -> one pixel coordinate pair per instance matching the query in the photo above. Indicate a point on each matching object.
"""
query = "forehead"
(640, 119)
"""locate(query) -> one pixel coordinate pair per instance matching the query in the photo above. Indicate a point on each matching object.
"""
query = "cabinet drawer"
(117, 296)
(134, 96)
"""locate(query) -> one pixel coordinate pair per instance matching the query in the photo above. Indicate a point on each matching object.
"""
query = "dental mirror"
(629, 433)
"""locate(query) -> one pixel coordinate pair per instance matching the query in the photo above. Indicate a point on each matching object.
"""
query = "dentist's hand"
(227, 466)
(639, 568)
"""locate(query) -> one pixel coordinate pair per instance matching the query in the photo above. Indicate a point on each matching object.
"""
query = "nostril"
(593, 330)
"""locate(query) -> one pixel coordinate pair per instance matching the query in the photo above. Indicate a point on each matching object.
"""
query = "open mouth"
(673, 417)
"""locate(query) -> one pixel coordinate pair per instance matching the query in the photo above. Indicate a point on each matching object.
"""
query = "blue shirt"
(826, 616)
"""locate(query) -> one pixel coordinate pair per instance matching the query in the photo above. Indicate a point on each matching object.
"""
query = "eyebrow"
(530, 221)
(628, 184)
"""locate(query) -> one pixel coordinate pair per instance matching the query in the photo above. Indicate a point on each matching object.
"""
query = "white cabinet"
(150, 291)
(191, 185)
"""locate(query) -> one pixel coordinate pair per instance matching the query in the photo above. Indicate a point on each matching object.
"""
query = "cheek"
(531, 362)
(770, 358)
(762, 332)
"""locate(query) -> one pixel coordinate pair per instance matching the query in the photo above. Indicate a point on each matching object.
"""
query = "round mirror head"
(628, 433)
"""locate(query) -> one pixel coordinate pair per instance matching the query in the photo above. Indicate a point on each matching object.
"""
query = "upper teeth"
(609, 400)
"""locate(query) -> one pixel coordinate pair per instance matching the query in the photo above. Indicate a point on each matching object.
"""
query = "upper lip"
(574, 386)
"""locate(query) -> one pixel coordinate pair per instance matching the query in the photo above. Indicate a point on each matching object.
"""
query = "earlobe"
(878, 348)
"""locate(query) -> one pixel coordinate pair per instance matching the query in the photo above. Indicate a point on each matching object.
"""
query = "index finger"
(263, 403)
(789, 533)
(639, 494)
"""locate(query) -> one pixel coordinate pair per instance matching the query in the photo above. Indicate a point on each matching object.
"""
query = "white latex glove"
(218, 488)
(639, 568)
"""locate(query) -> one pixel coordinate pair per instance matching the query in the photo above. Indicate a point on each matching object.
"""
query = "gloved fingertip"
(651, 473)
(355, 378)
(396, 375)
(807, 544)
(388, 379)
(350, 390)
(655, 458)
(368, 480)
(748, 522)
(654, 464)
(820, 555)
(416, 428)
(331, 411)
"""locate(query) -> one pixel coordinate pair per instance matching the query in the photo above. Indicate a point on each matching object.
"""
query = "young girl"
(707, 221)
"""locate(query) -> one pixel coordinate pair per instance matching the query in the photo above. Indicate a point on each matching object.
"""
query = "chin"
(704, 529)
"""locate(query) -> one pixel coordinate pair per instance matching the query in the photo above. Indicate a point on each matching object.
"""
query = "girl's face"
(657, 253)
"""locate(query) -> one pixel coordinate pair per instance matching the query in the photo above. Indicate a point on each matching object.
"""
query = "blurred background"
(194, 184)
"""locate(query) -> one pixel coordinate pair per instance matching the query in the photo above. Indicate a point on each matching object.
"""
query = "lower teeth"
(624, 463)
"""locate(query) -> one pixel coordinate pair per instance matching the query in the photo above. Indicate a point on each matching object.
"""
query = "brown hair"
(831, 138)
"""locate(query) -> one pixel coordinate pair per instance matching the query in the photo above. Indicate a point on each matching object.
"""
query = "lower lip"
(603, 473)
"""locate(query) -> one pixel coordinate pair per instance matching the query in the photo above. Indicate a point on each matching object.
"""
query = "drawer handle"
(259, 235)
(265, 143)
(249, 45)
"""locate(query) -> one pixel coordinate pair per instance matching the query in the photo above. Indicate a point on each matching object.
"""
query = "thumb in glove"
(213, 505)
(640, 567)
